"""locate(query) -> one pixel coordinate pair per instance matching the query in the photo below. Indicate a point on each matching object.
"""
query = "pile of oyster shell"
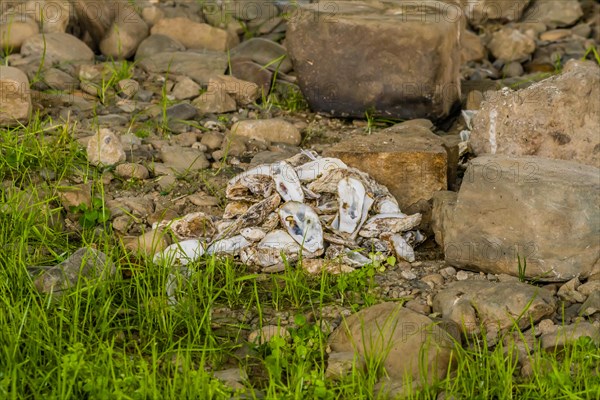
(307, 207)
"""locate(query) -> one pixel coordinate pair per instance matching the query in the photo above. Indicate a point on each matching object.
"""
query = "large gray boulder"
(545, 212)
(558, 117)
(395, 58)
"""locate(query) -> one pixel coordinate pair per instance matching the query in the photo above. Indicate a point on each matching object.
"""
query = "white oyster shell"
(253, 234)
(180, 253)
(389, 223)
(401, 247)
(263, 169)
(314, 169)
(287, 182)
(303, 225)
(231, 246)
(387, 205)
(272, 249)
(351, 196)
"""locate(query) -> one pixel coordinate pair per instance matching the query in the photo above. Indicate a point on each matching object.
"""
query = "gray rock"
(131, 170)
(186, 139)
(243, 92)
(462, 275)
(568, 291)
(59, 80)
(94, 73)
(510, 44)
(471, 47)
(252, 72)
(51, 15)
(345, 68)
(200, 66)
(56, 48)
(233, 377)
(136, 206)
(194, 35)
(569, 334)
(214, 100)
(405, 342)
(495, 307)
(112, 120)
(234, 145)
(181, 111)
(212, 140)
(548, 119)
(15, 96)
(591, 305)
(483, 11)
(268, 130)
(545, 211)
(185, 88)
(268, 157)
(155, 44)
(582, 29)
(512, 69)
(183, 159)
(554, 13)
(444, 202)
(341, 364)
(14, 30)
(263, 52)
(115, 27)
(105, 149)
(267, 333)
(128, 88)
(85, 265)
(589, 288)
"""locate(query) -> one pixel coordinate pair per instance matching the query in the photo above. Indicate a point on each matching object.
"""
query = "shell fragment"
(315, 169)
(230, 246)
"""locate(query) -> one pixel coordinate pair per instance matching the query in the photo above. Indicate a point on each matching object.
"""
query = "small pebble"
(462, 275)
(448, 271)
(409, 275)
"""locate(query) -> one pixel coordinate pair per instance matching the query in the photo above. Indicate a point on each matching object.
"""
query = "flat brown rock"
(412, 165)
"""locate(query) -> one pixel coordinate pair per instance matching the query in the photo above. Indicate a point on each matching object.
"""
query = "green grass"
(120, 338)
